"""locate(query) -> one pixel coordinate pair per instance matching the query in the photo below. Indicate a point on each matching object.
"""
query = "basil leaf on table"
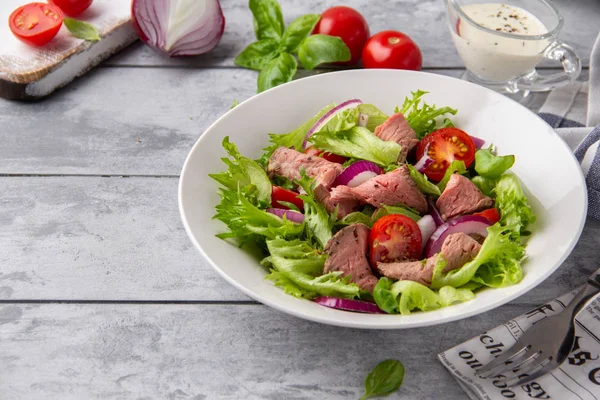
(297, 31)
(319, 49)
(384, 379)
(268, 19)
(258, 54)
(82, 30)
(492, 166)
(279, 70)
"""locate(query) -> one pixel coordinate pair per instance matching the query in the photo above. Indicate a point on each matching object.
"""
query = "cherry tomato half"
(444, 146)
(392, 49)
(349, 25)
(36, 23)
(395, 238)
(491, 214)
(280, 194)
(328, 156)
(72, 7)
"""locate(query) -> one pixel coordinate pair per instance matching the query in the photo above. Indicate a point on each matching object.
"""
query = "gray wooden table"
(102, 294)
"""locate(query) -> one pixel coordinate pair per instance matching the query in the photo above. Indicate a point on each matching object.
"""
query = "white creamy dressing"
(494, 57)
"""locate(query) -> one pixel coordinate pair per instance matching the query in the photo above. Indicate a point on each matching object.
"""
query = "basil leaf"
(268, 19)
(491, 166)
(384, 379)
(82, 30)
(319, 49)
(383, 296)
(258, 54)
(298, 30)
(279, 70)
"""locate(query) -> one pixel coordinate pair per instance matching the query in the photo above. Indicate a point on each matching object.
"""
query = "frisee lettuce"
(513, 205)
(358, 142)
(298, 269)
(423, 118)
(318, 222)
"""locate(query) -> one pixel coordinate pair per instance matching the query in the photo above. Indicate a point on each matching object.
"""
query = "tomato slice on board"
(491, 214)
(280, 194)
(444, 146)
(395, 238)
(36, 23)
(328, 156)
(72, 7)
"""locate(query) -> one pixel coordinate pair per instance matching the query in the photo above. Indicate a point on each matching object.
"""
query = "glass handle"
(570, 61)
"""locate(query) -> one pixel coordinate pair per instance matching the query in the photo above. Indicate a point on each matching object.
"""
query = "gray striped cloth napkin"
(581, 132)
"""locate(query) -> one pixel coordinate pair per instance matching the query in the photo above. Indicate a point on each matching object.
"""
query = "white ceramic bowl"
(546, 166)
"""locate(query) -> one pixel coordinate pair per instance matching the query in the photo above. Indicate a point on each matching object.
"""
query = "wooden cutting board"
(29, 73)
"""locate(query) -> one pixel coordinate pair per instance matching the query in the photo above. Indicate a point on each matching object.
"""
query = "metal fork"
(544, 346)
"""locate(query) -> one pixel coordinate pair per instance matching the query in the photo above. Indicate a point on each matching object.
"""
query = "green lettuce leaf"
(423, 183)
(513, 205)
(486, 185)
(298, 269)
(376, 116)
(293, 139)
(449, 295)
(383, 296)
(455, 166)
(358, 142)
(399, 209)
(246, 221)
(356, 217)
(414, 295)
(242, 172)
(319, 224)
(423, 118)
(492, 166)
(342, 121)
(498, 259)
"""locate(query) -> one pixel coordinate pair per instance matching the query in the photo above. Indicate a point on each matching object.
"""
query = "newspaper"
(577, 378)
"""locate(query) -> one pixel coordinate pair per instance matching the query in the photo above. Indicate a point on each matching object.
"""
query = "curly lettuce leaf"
(456, 166)
(242, 172)
(491, 166)
(246, 221)
(513, 205)
(357, 142)
(497, 264)
(424, 118)
(423, 183)
(293, 139)
(376, 116)
(318, 222)
(298, 269)
(414, 295)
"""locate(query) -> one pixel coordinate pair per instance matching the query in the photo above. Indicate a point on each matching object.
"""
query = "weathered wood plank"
(213, 352)
(93, 238)
(423, 20)
(120, 121)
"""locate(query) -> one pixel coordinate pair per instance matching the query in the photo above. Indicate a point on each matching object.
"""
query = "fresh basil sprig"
(82, 30)
(385, 378)
(272, 53)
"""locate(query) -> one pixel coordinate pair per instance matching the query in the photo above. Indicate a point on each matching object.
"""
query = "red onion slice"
(427, 226)
(349, 305)
(291, 215)
(357, 173)
(178, 27)
(328, 117)
(477, 142)
(423, 163)
(468, 224)
(435, 214)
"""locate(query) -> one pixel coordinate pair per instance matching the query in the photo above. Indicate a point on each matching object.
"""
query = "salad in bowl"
(368, 212)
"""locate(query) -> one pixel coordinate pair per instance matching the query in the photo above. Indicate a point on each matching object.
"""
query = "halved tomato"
(36, 23)
(280, 194)
(444, 146)
(395, 238)
(491, 214)
(313, 151)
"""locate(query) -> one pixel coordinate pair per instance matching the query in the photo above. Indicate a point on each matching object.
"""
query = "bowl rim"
(395, 322)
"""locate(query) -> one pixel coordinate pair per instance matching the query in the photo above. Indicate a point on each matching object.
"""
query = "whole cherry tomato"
(72, 7)
(392, 49)
(349, 25)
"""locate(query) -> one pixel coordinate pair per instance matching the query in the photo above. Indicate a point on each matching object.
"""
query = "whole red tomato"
(391, 49)
(349, 25)
(72, 7)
